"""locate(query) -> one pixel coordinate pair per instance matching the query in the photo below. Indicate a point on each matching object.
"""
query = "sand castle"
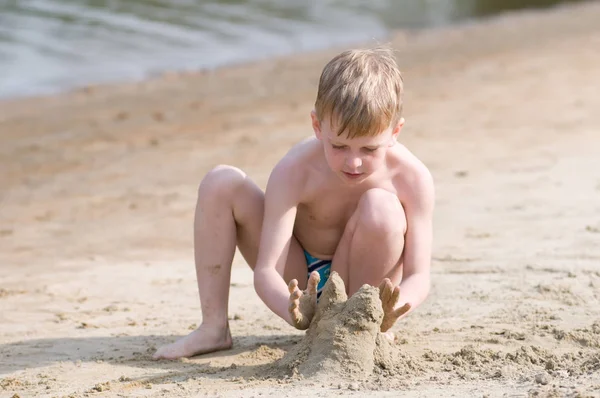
(344, 337)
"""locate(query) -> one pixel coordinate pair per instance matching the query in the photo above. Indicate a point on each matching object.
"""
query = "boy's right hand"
(303, 305)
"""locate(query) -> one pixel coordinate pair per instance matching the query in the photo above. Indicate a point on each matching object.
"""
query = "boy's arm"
(414, 288)
(415, 284)
(281, 200)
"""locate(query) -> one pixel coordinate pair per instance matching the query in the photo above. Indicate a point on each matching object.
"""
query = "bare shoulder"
(291, 171)
(412, 178)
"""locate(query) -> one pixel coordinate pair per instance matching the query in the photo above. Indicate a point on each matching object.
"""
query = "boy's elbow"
(259, 282)
(422, 286)
(427, 289)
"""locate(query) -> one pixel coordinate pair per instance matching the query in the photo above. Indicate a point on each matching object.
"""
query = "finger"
(390, 336)
(296, 294)
(382, 288)
(402, 310)
(295, 301)
(386, 292)
(293, 285)
(395, 295)
(296, 314)
(313, 282)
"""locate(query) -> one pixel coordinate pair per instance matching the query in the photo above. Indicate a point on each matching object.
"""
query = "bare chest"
(320, 223)
(328, 211)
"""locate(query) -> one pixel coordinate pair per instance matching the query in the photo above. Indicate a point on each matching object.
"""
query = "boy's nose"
(354, 162)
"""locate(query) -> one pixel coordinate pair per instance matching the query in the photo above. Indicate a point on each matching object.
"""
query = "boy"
(351, 200)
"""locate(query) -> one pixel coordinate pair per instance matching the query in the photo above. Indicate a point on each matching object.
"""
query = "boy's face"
(354, 159)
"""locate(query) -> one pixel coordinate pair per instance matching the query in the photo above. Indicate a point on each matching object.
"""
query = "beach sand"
(97, 195)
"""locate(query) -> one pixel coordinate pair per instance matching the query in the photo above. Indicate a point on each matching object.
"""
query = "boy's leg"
(229, 212)
(373, 242)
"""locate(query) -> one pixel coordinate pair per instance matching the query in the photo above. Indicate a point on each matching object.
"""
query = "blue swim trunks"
(323, 267)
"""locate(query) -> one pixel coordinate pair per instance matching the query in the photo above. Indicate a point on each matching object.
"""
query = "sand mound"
(586, 337)
(343, 339)
(343, 342)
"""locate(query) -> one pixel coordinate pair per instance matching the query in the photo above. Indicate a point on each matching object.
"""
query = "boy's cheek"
(374, 164)
(339, 162)
(334, 159)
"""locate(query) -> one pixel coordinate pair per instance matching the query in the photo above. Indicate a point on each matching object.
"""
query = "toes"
(161, 353)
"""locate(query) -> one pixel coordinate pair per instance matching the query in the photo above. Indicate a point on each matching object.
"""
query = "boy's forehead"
(379, 139)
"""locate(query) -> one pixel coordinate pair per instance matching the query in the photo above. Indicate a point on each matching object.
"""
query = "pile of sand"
(344, 342)
(344, 338)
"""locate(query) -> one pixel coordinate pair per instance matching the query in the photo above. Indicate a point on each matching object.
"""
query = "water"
(53, 45)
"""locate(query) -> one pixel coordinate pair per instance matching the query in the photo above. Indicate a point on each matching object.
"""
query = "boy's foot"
(201, 341)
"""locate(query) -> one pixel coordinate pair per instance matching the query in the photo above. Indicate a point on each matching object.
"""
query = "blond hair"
(361, 91)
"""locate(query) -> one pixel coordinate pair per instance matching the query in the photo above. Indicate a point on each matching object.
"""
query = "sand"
(344, 342)
(97, 195)
(342, 338)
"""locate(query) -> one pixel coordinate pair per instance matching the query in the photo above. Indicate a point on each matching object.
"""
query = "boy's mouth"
(352, 176)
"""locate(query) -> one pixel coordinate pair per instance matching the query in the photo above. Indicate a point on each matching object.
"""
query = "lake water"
(52, 45)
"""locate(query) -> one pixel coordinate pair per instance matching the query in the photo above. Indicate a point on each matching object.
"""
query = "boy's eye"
(338, 146)
(370, 149)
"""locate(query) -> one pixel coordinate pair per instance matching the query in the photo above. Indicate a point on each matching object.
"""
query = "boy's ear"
(398, 128)
(316, 125)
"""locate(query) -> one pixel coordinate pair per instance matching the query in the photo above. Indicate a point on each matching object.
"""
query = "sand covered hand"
(303, 305)
(389, 298)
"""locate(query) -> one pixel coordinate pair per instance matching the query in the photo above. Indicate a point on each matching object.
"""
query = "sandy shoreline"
(97, 194)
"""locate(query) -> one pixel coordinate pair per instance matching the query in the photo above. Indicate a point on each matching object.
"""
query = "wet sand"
(97, 195)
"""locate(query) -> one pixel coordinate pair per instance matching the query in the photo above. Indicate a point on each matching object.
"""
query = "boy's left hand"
(389, 298)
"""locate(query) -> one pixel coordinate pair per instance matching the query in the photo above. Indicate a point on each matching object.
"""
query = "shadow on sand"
(136, 351)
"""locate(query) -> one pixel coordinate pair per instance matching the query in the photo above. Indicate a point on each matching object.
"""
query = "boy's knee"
(381, 213)
(221, 182)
